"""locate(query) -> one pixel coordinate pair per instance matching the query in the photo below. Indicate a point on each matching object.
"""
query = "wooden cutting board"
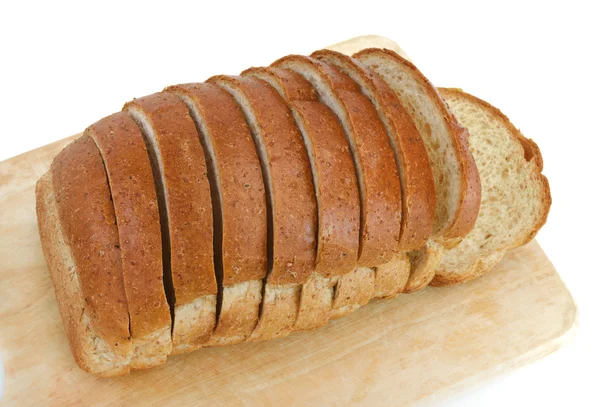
(416, 347)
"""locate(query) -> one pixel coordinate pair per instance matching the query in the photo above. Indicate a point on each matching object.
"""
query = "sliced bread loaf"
(515, 195)
(412, 161)
(80, 241)
(136, 209)
(378, 180)
(291, 201)
(374, 165)
(457, 184)
(239, 207)
(336, 191)
(418, 188)
(184, 199)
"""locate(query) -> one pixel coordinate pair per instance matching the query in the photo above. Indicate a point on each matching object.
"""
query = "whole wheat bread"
(239, 207)
(184, 199)
(515, 198)
(80, 241)
(291, 201)
(136, 209)
(336, 190)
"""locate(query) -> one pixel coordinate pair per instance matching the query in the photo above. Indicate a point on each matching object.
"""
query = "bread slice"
(379, 184)
(336, 189)
(290, 198)
(80, 241)
(412, 161)
(136, 209)
(418, 189)
(239, 207)
(515, 195)
(378, 180)
(184, 200)
(456, 178)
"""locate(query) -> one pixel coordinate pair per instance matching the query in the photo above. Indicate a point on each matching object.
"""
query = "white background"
(64, 66)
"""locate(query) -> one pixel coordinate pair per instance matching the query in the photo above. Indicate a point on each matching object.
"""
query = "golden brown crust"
(91, 353)
(242, 193)
(380, 207)
(294, 211)
(134, 197)
(87, 216)
(338, 197)
(470, 198)
(418, 188)
(188, 195)
(289, 84)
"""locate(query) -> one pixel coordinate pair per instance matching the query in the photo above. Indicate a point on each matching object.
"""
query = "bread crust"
(392, 277)
(136, 208)
(92, 353)
(417, 185)
(241, 209)
(336, 189)
(465, 216)
(87, 217)
(188, 218)
(242, 193)
(380, 207)
(293, 199)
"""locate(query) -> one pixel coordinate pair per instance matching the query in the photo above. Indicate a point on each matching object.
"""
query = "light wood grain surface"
(417, 347)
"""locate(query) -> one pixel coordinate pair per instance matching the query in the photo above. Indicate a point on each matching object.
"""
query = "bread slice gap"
(80, 241)
(291, 201)
(416, 177)
(239, 208)
(375, 168)
(515, 194)
(131, 185)
(336, 191)
(185, 208)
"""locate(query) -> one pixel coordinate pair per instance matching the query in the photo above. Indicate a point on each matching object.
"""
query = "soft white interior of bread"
(512, 196)
(430, 122)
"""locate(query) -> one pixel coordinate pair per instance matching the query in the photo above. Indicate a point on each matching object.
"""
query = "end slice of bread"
(134, 197)
(80, 241)
(185, 208)
(515, 194)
